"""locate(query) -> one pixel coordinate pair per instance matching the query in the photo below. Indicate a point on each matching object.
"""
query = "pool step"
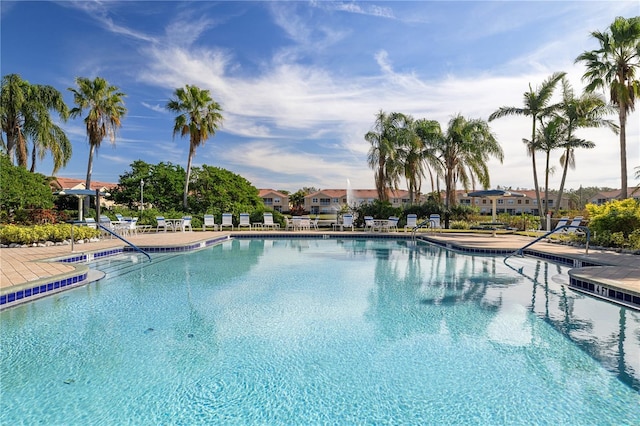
(117, 265)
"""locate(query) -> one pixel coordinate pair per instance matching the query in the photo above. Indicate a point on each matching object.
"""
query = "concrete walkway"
(21, 265)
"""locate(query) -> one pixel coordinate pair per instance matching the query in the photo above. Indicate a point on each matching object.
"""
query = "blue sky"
(300, 83)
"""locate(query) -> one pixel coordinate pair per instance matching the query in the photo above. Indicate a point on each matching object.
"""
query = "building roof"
(71, 183)
(265, 192)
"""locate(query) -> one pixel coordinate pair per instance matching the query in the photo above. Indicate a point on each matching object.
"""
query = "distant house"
(512, 205)
(275, 200)
(332, 200)
(606, 196)
(61, 183)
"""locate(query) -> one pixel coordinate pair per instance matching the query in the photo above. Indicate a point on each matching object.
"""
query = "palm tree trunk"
(192, 152)
(546, 184)
(622, 114)
(537, 187)
(33, 159)
(87, 183)
(565, 168)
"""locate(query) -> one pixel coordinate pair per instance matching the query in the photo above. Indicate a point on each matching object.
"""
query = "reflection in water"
(448, 283)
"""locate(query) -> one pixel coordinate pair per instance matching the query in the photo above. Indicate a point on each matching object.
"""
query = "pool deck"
(33, 264)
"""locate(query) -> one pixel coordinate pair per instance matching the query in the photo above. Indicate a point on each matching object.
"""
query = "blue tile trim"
(614, 295)
(27, 293)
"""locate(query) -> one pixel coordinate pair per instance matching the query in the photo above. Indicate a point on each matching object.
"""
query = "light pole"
(141, 194)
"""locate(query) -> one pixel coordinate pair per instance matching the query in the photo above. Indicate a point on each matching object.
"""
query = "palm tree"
(199, 116)
(385, 138)
(26, 114)
(105, 109)
(430, 135)
(614, 65)
(464, 151)
(550, 136)
(585, 111)
(536, 106)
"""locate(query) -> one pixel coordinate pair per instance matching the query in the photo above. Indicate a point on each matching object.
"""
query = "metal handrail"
(126, 241)
(520, 252)
(431, 222)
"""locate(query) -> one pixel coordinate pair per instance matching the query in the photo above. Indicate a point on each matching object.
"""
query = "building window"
(510, 201)
(500, 201)
(314, 200)
(325, 201)
(277, 200)
(519, 201)
(268, 201)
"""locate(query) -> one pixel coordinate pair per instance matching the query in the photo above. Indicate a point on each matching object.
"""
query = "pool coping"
(585, 276)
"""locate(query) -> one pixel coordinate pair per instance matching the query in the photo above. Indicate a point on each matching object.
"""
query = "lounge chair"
(412, 222)
(244, 221)
(434, 221)
(186, 223)
(574, 226)
(305, 223)
(91, 222)
(209, 221)
(562, 222)
(227, 220)
(268, 221)
(347, 222)
(289, 224)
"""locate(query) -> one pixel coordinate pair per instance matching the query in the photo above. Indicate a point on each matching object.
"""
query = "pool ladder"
(129, 243)
(520, 251)
(430, 222)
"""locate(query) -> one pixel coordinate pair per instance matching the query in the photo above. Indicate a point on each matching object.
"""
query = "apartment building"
(332, 200)
(275, 200)
(512, 205)
(606, 196)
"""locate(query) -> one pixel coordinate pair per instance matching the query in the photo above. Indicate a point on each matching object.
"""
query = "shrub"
(11, 234)
(615, 216)
(459, 224)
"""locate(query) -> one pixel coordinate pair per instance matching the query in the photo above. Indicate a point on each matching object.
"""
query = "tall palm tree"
(430, 135)
(25, 111)
(464, 150)
(105, 109)
(583, 112)
(199, 116)
(536, 106)
(614, 66)
(550, 136)
(385, 139)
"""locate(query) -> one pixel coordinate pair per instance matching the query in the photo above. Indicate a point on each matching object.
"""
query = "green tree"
(21, 189)
(614, 65)
(586, 111)
(536, 106)
(430, 135)
(105, 109)
(25, 113)
(199, 116)
(550, 136)
(464, 150)
(162, 186)
(382, 158)
(216, 190)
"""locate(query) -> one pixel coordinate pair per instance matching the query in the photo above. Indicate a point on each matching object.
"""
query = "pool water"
(322, 331)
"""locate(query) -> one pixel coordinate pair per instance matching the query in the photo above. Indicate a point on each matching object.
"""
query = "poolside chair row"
(244, 222)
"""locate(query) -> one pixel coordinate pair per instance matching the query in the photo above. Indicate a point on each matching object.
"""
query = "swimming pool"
(339, 331)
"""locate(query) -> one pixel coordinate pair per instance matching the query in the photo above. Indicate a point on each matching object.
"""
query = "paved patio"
(21, 265)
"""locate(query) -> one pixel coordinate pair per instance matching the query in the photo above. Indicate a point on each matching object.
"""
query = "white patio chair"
(297, 221)
(289, 224)
(412, 222)
(392, 224)
(227, 220)
(268, 221)
(434, 222)
(209, 221)
(369, 223)
(347, 222)
(305, 223)
(162, 224)
(314, 223)
(244, 221)
(186, 223)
